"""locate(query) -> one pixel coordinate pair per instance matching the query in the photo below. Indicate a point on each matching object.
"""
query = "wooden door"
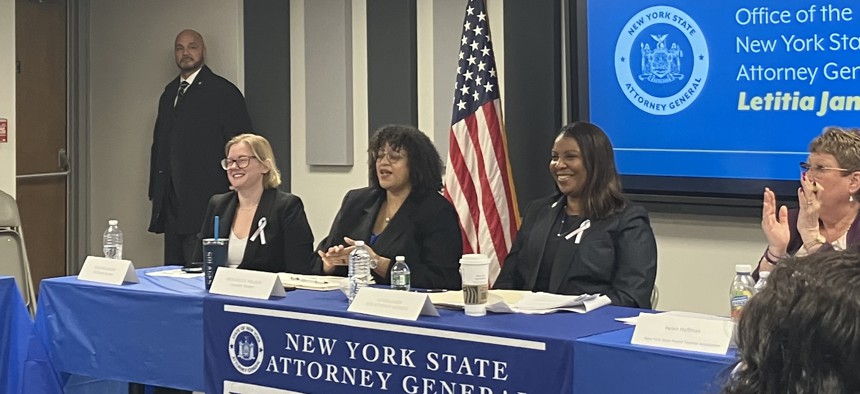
(42, 192)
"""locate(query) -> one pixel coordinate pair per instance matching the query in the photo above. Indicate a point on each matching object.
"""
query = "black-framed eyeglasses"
(819, 168)
(241, 162)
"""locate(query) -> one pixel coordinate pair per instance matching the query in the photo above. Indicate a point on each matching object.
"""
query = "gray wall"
(533, 81)
(392, 72)
(7, 100)
(267, 76)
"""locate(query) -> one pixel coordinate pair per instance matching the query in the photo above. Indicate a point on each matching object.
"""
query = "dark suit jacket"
(187, 145)
(617, 256)
(425, 230)
(289, 241)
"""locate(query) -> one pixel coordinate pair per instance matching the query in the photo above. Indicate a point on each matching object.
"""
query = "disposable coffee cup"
(474, 271)
(214, 256)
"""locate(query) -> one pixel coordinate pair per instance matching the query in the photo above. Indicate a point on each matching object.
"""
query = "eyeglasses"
(393, 156)
(819, 168)
(241, 162)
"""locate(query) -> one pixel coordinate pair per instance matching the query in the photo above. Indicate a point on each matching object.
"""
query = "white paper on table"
(311, 282)
(519, 301)
(633, 319)
(175, 273)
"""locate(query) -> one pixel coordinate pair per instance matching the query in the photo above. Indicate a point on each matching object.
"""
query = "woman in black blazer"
(587, 238)
(268, 229)
(401, 213)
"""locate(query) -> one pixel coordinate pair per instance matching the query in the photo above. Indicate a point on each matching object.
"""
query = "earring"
(851, 198)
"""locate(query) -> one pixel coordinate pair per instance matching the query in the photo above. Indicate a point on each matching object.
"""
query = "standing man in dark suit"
(198, 113)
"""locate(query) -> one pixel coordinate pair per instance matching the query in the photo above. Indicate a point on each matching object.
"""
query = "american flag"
(478, 175)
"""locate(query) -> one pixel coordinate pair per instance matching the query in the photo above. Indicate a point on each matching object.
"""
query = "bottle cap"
(113, 222)
(763, 274)
(400, 258)
(359, 243)
(743, 268)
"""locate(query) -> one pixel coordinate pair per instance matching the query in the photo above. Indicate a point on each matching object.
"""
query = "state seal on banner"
(246, 349)
(661, 60)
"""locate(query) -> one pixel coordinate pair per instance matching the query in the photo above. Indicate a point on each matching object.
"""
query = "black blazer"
(289, 241)
(425, 230)
(188, 142)
(617, 256)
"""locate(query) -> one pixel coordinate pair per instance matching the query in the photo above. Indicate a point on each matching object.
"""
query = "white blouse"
(235, 250)
(838, 245)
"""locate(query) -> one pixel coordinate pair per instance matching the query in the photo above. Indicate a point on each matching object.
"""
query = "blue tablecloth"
(15, 329)
(24, 365)
(608, 363)
(307, 341)
(149, 332)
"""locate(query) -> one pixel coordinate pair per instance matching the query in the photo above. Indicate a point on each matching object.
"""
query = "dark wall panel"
(267, 75)
(392, 63)
(532, 92)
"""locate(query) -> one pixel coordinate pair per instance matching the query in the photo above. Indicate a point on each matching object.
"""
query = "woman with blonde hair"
(268, 229)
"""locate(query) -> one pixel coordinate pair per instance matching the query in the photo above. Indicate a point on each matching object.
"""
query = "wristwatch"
(819, 240)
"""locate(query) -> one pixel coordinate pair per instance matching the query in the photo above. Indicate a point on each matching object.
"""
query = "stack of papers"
(174, 273)
(311, 282)
(516, 301)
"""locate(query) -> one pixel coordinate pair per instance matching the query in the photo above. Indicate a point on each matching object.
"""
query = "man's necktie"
(181, 92)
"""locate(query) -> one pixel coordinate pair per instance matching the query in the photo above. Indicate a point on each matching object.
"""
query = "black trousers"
(179, 248)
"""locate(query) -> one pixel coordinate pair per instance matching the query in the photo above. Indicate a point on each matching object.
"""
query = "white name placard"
(698, 334)
(247, 283)
(395, 304)
(110, 271)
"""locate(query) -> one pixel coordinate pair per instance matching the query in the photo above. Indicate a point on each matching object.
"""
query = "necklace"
(561, 230)
(248, 208)
(561, 227)
(388, 214)
(564, 215)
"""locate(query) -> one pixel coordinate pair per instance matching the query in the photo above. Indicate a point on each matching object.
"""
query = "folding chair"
(13, 253)
(655, 296)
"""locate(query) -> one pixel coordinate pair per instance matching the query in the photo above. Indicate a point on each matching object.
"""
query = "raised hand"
(775, 227)
(807, 200)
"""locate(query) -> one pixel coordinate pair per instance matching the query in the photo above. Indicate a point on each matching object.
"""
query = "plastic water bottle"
(400, 277)
(743, 288)
(113, 240)
(359, 269)
(762, 281)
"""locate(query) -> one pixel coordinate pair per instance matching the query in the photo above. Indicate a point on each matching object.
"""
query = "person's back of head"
(801, 334)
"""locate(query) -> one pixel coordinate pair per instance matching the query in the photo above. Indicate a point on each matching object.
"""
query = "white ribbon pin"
(260, 226)
(578, 232)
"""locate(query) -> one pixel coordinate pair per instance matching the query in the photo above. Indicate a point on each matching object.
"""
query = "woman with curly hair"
(400, 213)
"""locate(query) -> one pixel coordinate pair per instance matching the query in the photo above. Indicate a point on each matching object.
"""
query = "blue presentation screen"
(721, 89)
